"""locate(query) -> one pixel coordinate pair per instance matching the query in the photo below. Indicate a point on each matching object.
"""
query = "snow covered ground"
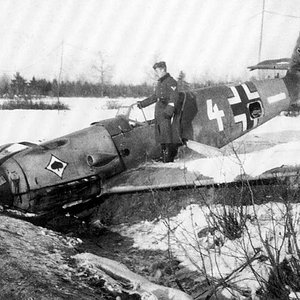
(41, 125)
(191, 238)
(225, 169)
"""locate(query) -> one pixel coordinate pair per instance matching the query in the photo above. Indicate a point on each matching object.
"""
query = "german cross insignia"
(56, 166)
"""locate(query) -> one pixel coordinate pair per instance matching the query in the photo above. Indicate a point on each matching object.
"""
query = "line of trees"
(19, 87)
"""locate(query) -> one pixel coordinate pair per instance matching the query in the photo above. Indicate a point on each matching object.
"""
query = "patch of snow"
(278, 124)
(224, 169)
(181, 234)
(41, 125)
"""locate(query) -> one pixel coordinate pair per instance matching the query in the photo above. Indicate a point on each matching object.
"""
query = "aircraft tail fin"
(295, 60)
(292, 78)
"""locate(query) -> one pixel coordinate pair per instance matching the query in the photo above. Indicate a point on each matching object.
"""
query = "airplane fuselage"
(227, 112)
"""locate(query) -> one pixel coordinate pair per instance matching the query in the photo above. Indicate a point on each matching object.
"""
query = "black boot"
(174, 150)
(163, 153)
(169, 153)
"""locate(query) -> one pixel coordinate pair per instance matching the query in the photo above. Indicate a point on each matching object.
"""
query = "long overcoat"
(166, 98)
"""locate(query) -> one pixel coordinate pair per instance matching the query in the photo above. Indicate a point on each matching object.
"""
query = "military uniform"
(166, 98)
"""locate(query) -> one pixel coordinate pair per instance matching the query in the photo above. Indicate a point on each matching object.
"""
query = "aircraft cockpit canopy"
(135, 115)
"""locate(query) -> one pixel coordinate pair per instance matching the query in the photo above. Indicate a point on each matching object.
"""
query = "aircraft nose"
(6, 196)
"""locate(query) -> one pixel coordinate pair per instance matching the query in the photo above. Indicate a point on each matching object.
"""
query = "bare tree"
(4, 85)
(104, 70)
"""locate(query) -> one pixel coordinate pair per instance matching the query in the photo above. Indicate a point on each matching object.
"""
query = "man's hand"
(139, 104)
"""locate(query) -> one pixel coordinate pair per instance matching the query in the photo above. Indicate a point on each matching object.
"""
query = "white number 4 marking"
(214, 113)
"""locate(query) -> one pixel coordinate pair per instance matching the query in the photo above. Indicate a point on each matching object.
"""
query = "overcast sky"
(204, 38)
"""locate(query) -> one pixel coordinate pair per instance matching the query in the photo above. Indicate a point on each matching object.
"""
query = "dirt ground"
(36, 262)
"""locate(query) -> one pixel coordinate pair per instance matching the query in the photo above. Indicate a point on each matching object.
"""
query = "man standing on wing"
(166, 98)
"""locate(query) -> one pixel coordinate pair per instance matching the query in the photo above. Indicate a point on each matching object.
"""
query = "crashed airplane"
(116, 155)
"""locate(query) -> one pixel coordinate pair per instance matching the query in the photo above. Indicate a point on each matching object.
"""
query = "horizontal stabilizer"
(272, 64)
(205, 150)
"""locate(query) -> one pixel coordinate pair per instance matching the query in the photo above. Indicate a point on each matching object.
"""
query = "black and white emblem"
(239, 100)
(56, 166)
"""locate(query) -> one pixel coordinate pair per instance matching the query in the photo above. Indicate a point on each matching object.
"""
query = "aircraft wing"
(154, 176)
(278, 161)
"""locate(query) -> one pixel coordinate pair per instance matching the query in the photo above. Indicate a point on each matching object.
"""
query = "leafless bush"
(230, 221)
(113, 104)
(29, 104)
(284, 278)
(282, 256)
